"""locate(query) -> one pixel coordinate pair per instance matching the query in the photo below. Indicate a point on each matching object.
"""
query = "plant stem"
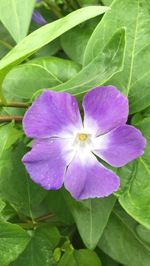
(8, 118)
(45, 217)
(14, 104)
(27, 226)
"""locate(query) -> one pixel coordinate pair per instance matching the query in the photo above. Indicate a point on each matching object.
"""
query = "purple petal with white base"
(52, 114)
(63, 151)
(105, 108)
(90, 179)
(47, 161)
(120, 146)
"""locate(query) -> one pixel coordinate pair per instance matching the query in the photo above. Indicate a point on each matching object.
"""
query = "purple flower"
(38, 18)
(65, 148)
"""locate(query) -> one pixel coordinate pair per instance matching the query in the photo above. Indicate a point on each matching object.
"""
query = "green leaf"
(15, 185)
(16, 16)
(88, 2)
(13, 240)
(138, 117)
(22, 82)
(2, 205)
(91, 217)
(52, 47)
(106, 260)
(48, 50)
(135, 195)
(6, 42)
(7, 213)
(82, 257)
(55, 203)
(134, 15)
(8, 136)
(39, 251)
(74, 41)
(121, 242)
(101, 68)
(46, 34)
(143, 233)
(107, 2)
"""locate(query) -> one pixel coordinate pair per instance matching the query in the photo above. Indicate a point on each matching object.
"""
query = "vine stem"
(14, 104)
(9, 118)
(45, 217)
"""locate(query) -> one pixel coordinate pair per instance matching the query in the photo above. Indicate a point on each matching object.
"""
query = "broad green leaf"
(106, 260)
(2, 205)
(13, 110)
(91, 217)
(88, 2)
(146, 112)
(55, 208)
(135, 78)
(8, 136)
(13, 240)
(138, 117)
(143, 233)
(46, 34)
(7, 213)
(48, 50)
(121, 242)
(16, 16)
(22, 81)
(74, 41)
(100, 69)
(39, 251)
(82, 257)
(6, 42)
(15, 185)
(107, 2)
(55, 203)
(135, 196)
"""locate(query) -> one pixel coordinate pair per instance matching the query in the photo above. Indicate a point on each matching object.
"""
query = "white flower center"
(82, 136)
(82, 144)
(82, 140)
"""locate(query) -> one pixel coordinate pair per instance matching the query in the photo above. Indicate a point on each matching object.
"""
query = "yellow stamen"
(82, 136)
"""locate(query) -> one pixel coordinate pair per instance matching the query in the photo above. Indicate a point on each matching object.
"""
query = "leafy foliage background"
(85, 43)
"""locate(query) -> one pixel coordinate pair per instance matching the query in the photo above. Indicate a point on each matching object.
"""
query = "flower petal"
(47, 161)
(52, 114)
(120, 146)
(105, 108)
(38, 18)
(90, 179)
